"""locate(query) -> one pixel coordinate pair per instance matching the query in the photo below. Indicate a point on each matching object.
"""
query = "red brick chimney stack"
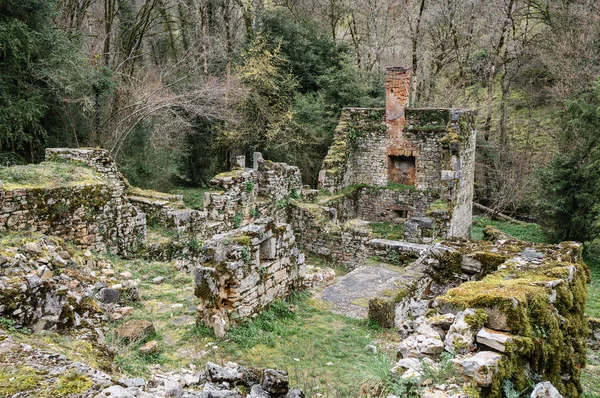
(397, 87)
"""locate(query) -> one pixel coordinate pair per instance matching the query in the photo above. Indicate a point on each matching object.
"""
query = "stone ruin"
(505, 309)
(430, 153)
(244, 270)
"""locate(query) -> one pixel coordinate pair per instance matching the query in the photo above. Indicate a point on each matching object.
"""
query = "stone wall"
(507, 311)
(349, 243)
(242, 271)
(432, 150)
(276, 181)
(380, 204)
(95, 215)
(357, 153)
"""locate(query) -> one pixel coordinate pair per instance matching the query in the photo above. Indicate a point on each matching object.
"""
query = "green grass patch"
(593, 303)
(192, 197)
(47, 175)
(590, 377)
(322, 351)
(386, 230)
(529, 232)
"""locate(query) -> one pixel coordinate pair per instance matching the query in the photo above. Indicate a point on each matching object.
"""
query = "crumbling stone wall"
(96, 214)
(276, 181)
(169, 212)
(519, 315)
(97, 158)
(432, 150)
(357, 153)
(242, 271)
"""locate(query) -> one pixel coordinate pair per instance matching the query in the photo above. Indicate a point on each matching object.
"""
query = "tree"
(569, 203)
(40, 70)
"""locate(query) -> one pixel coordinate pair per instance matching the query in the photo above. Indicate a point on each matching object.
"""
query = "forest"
(175, 89)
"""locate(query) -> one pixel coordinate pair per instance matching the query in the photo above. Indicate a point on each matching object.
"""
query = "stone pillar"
(397, 87)
(240, 161)
(256, 159)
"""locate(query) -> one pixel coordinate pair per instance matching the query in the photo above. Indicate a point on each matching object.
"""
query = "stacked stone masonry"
(95, 214)
(431, 150)
(519, 315)
(244, 270)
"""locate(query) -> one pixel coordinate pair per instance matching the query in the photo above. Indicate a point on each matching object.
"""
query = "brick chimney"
(397, 87)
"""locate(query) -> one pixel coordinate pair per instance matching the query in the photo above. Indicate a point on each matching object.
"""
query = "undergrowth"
(529, 232)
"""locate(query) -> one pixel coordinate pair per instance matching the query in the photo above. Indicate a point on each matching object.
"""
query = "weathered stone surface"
(460, 338)
(108, 296)
(173, 388)
(216, 373)
(545, 390)
(134, 330)
(150, 347)
(249, 268)
(424, 341)
(494, 339)
(480, 367)
(275, 381)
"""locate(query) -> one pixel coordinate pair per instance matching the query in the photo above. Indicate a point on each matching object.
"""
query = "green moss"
(550, 336)
(450, 266)
(243, 240)
(427, 119)
(477, 320)
(489, 261)
(381, 311)
(18, 379)
(48, 175)
(71, 383)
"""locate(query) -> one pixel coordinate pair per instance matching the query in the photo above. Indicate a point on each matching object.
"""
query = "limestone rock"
(460, 338)
(133, 382)
(443, 321)
(216, 373)
(493, 339)
(424, 341)
(158, 280)
(150, 347)
(275, 381)
(545, 390)
(108, 296)
(497, 320)
(134, 330)
(258, 392)
(295, 393)
(173, 388)
(480, 367)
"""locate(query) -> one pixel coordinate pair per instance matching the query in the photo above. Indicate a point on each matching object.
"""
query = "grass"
(47, 175)
(529, 232)
(590, 378)
(192, 197)
(386, 230)
(322, 351)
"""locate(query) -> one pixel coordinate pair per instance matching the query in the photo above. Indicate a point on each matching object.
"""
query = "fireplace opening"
(402, 169)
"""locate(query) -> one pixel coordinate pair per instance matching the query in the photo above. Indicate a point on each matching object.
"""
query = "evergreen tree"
(569, 201)
(39, 68)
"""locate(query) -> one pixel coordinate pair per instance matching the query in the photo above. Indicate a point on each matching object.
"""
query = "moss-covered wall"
(90, 215)
(357, 153)
(529, 305)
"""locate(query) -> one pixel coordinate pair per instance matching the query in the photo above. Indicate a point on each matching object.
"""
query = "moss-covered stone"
(381, 311)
